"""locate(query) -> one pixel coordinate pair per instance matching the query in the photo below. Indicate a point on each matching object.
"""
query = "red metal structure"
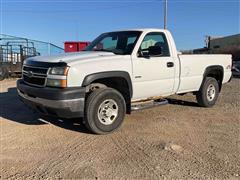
(75, 46)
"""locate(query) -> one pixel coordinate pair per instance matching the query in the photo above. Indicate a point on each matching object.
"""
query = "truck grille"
(35, 76)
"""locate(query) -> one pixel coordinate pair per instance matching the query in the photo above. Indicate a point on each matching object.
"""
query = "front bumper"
(63, 103)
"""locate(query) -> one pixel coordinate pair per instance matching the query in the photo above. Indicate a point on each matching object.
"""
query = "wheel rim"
(108, 112)
(211, 92)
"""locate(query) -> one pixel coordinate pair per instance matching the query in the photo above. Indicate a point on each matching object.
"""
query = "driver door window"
(155, 39)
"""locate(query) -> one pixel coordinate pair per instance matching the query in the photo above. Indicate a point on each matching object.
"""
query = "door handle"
(170, 64)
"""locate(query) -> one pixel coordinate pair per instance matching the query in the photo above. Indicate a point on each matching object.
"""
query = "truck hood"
(71, 57)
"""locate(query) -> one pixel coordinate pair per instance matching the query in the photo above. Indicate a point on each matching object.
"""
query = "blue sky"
(57, 21)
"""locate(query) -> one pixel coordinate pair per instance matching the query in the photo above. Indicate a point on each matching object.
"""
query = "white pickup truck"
(116, 70)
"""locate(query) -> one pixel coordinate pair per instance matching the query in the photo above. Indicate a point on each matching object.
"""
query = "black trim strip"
(44, 64)
(51, 93)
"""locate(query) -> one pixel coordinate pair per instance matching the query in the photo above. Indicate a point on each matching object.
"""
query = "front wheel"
(208, 93)
(105, 110)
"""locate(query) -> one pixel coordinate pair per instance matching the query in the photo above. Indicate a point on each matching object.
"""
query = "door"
(153, 72)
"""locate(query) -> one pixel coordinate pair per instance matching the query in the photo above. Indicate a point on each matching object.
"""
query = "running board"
(149, 104)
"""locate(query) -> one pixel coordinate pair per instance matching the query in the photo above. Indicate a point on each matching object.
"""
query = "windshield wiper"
(118, 51)
(115, 51)
(104, 50)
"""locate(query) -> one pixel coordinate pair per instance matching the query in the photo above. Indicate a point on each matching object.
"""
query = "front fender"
(108, 74)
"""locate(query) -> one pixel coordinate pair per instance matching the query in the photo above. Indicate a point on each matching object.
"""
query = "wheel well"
(118, 83)
(215, 72)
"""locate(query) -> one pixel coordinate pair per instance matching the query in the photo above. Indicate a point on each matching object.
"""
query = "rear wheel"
(208, 93)
(105, 110)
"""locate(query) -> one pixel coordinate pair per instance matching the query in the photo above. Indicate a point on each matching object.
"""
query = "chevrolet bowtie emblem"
(30, 74)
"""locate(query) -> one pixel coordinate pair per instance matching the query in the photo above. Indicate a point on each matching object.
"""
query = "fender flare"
(214, 68)
(108, 74)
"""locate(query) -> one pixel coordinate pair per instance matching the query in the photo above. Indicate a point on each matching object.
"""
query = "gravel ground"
(175, 141)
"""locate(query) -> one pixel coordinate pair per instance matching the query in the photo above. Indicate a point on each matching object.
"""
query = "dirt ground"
(175, 141)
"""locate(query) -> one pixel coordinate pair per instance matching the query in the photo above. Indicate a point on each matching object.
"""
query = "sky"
(57, 21)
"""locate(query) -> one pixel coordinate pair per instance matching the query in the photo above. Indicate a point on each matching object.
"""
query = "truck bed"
(192, 68)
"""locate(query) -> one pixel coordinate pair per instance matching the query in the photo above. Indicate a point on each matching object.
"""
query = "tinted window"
(107, 43)
(121, 42)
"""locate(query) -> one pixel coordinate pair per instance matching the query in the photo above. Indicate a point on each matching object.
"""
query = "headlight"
(59, 71)
(57, 82)
(57, 77)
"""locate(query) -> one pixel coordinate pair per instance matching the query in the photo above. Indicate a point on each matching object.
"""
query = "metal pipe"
(165, 14)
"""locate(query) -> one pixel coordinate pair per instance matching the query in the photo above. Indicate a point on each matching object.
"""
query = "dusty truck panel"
(192, 73)
(152, 68)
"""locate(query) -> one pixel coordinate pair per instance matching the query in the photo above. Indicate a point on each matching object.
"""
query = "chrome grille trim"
(33, 76)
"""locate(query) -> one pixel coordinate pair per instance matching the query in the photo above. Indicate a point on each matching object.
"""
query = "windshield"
(121, 42)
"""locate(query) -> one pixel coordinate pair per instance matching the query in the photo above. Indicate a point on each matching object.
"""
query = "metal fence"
(43, 48)
(14, 50)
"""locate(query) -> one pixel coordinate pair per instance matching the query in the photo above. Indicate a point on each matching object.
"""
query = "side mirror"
(143, 54)
(155, 51)
(140, 53)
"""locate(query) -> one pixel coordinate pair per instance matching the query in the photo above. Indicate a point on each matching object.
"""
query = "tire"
(3, 73)
(208, 93)
(104, 111)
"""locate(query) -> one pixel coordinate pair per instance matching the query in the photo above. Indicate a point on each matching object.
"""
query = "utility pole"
(165, 14)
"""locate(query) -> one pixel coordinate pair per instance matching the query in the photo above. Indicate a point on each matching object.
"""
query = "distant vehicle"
(130, 68)
(236, 68)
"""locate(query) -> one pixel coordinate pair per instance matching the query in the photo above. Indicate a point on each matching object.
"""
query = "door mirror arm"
(140, 54)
